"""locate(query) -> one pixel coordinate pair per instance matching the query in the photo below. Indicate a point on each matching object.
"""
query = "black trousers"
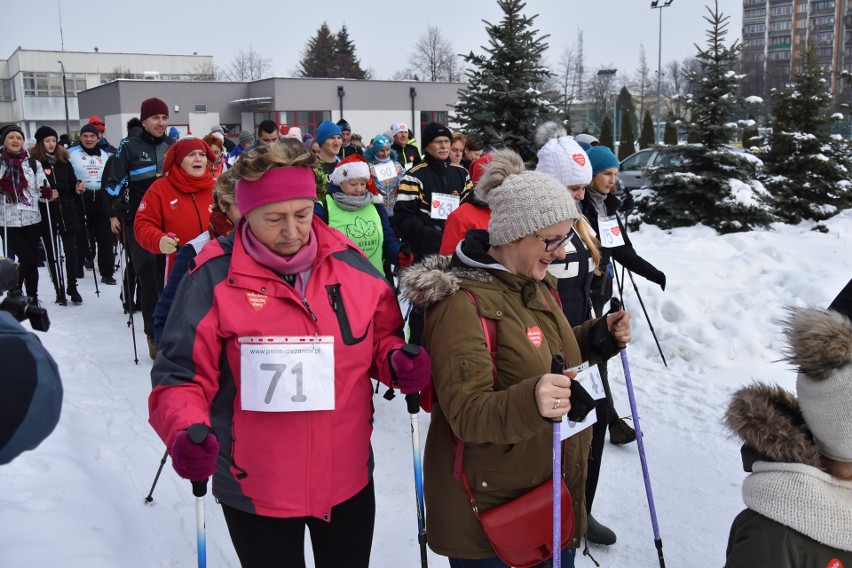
(96, 234)
(69, 250)
(150, 272)
(269, 542)
(24, 241)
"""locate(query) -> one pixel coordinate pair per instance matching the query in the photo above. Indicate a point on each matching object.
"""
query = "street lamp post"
(656, 4)
(65, 96)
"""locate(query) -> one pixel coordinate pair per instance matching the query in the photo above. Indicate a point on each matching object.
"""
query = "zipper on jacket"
(197, 213)
(308, 307)
(336, 302)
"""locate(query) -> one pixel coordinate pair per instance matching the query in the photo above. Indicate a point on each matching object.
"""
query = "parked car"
(632, 173)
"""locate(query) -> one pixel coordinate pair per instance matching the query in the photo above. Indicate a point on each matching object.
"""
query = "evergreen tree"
(627, 144)
(670, 131)
(319, 55)
(625, 103)
(346, 64)
(503, 101)
(805, 171)
(646, 138)
(750, 132)
(707, 182)
(605, 137)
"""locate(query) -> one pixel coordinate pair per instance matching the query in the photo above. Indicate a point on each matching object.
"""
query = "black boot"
(60, 297)
(620, 432)
(598, 533)
(75, 296)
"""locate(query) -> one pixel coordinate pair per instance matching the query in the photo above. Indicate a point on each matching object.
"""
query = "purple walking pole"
(658, 542)
(557, 366)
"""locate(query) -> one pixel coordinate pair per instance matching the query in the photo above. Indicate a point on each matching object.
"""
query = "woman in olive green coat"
(507, 430)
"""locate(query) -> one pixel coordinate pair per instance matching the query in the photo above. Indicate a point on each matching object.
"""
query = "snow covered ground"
(78, 500)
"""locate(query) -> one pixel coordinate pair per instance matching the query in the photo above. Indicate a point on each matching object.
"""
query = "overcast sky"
(383, 32)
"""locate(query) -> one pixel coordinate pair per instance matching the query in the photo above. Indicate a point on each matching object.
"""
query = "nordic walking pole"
(413, 403)
(89, 247)
(150, 496)
(198, 433)
(557, 367)
(648, 319)
(658, 542)
(60, 247)
(128, 299)
(58, 283)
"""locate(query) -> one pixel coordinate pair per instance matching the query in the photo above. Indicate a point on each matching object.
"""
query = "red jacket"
(282, 464)
(169, 208)
(466, 216)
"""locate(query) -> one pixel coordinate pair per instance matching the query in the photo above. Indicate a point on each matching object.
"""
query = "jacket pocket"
(335, 299)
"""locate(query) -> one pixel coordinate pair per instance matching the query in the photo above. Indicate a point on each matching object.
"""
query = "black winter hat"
(10, 128)
(434, 130)
(44, 132)
(344, 126)
(89, 128)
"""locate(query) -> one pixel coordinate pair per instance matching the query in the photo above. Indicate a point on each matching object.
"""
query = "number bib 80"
(287, 373)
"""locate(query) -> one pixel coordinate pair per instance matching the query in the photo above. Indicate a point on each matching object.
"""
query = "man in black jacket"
(406, 153)
(427, 194)
(137, 163)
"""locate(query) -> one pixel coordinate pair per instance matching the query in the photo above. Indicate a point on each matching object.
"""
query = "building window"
(825, 52)
(779, 40)
(779, 55)
(427, 116)
(50, 84)
(780, 26)
(824, 21)
(827, 37)
(755, 28)
(306, 120)
(824, 5)
(749, 2)
(781, 10)
(7, 92)
(759, 13)
(200, 108)
(758, 41)
(752, 57)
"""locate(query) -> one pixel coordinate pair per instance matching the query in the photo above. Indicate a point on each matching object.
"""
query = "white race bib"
(443, 204)
(610, 232)
(384, 171)
(287, 374)
(590, 378)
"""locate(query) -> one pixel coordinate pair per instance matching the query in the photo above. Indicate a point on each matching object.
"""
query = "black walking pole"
(644, 311)
(128, 297)
(150, 496)
(94, 254)
(60, 248)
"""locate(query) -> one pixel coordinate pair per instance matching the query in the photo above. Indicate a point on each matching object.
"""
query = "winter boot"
(620, 432)
(599, 534)
(75, 296)
(152, 347)
(60, 297)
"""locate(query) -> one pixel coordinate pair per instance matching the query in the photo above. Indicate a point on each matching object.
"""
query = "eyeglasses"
(551, 245)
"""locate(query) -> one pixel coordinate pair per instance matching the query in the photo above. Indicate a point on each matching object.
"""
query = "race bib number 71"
(287, 373)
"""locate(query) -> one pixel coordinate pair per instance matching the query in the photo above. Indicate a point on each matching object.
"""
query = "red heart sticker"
(834, 563)
(579, 158)
(534, 335)
(436, 204)
(615, 231)
(255, 300)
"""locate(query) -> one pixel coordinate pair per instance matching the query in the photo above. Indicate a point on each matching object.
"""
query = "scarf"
(801, 497)
(381, 161)
(352, 202)
(597, 200)
(14, 181)
(185, 183)
(51, 159)
(298, 264)
(93, 151)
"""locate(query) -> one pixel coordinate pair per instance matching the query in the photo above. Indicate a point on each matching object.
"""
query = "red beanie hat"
(152, 106)
(477, 168)
(179, 150)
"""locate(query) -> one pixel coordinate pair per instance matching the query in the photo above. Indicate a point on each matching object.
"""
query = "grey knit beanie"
(560, 156)
(820, 345)
(522, 202)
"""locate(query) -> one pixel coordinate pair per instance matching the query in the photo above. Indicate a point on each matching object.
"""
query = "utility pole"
(65, 96)
(655, 4)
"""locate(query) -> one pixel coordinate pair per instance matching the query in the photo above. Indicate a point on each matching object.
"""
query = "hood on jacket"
(768, 419)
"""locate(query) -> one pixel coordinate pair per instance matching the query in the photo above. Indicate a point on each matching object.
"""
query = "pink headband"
(280, 184)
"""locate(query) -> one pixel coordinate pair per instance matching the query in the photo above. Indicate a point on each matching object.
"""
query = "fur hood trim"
(820, 341)
(768, 419)
(430, 281)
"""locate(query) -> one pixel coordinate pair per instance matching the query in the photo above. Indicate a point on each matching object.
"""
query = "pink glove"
(195, 462)
(413, 373)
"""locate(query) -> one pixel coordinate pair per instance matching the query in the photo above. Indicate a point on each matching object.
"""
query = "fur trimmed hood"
(430, 281)
(768, 419)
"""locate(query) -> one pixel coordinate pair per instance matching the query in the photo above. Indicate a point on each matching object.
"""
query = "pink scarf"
(299, 263)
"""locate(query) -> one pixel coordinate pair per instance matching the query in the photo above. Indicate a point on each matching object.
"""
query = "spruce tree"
(805, 170)
(606, 138)
(670, 131)
(750, 132)
(625, 103)
(706, 182)
(646, 138)
(627, 144)
(503, 101)
(319, 55)
(346, 64)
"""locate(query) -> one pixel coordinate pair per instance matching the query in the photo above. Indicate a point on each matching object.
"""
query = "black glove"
(659, 279)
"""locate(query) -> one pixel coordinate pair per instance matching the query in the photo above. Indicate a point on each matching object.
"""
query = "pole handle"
(197, 434)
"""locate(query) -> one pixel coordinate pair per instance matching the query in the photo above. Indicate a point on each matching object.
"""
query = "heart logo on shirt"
(834, 563)
(579, 158)
(255, 300)
(534, 335)
(615, 231)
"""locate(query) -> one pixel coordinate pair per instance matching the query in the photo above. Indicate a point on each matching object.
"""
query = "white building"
(31, 93)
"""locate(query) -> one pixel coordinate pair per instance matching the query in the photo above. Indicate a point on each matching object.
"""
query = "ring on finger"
(556, 403)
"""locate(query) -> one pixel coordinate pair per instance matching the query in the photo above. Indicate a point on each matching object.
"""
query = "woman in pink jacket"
(270, 344)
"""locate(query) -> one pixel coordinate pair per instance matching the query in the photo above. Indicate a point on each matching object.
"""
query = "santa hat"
(353, 167)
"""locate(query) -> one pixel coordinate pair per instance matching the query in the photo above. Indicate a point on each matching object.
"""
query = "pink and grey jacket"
(286, 464)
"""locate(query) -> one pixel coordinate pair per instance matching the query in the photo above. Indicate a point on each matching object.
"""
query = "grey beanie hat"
(522, 202)
(820, 345)
(247, 136)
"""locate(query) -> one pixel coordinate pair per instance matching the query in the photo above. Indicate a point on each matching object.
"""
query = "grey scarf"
(352, 202)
